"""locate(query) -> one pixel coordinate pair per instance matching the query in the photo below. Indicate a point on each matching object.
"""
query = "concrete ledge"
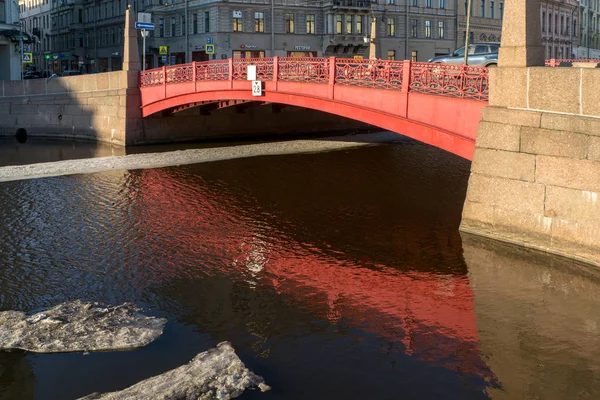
(504, 164)
(568, 173)
(572, 123)
(516, 117)
(506, 193)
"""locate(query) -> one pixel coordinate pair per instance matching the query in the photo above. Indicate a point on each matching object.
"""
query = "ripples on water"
(334, 275)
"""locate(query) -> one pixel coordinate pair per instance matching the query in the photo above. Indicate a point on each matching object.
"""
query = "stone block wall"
(535, 176)
(92, 107)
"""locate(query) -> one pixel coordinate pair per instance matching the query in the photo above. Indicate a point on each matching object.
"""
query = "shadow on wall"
(89, 107)
(537, 318)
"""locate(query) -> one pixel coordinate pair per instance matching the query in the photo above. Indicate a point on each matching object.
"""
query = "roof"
(14, 35)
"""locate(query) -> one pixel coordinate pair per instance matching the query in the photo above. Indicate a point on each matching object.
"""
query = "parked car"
(32, 75)
(480, 54)
(71, 72)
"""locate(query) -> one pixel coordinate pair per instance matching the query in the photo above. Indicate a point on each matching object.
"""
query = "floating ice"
(214, 374)
(78, 326)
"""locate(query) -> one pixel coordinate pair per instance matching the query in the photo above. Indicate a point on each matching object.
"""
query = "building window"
(442, 4)
(183, 25)
(172, 26)
(501, 10)
(567, 26)
(549, 22)
(81, 40)
(237, 21)
(195, 23)
(391, 27)
(259, 21)
(427, 28)
(310, 23)
(349, 24)
(206, 22)
(441, 31)
(289, 23)
(492, 10)
(392, 2)
(391, 54)
(359, 24)
(555, 23)
(338, 23)
(562, 24)
(482, 9)
(413, 56)
(543, 21)
(415, 3)
(414, 28)
(161, 27)
(428, 3)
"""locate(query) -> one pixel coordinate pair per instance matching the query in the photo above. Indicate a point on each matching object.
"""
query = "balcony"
(351, 4)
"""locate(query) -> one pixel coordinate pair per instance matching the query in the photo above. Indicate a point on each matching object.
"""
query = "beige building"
(559, 22)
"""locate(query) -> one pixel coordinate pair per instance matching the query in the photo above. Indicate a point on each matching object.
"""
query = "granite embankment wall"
(92, 107)
(106, 107)
(535, 176)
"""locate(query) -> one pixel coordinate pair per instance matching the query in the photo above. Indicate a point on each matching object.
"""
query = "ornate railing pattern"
(436, 79)
(300, 69)
(217, 70)
(180, 73)
(264, 68)
(369, 73)
(450, 80)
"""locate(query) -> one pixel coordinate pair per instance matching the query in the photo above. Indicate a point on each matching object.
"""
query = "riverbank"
(191, 156)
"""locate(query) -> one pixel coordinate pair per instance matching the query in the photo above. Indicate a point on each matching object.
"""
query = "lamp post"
(467, 32)
(272, 28)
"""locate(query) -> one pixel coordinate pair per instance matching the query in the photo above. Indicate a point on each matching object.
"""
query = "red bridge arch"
(434, 103)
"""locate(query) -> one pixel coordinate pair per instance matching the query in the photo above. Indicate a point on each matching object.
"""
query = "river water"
(336, 275)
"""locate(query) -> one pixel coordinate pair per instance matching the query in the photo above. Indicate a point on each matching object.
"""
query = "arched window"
(482, 37)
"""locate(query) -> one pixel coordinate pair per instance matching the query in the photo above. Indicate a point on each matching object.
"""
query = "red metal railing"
(436, 79)
(555, 62)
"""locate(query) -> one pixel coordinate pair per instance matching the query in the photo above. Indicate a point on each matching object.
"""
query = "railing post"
(230, 66)
(407, 65)
(194, 75)
(164, 71)
(331, 77)
(275, 68)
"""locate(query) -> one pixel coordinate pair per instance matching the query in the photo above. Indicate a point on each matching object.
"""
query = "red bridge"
(436, 104)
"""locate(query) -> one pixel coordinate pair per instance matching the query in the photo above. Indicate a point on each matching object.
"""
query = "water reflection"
(538, 321)
(334, 275)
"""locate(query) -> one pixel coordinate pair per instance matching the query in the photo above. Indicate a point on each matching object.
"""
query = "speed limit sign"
(256, 88)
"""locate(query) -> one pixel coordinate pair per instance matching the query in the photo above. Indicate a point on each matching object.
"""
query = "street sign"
(164, 59)
(256, 88)
(27, 58)
(209, 40)
(163, 50)
(210, 49)
(144, 25)
(144, 17)
(26, 48)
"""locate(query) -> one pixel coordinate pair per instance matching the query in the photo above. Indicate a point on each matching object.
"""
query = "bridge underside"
(440, 112)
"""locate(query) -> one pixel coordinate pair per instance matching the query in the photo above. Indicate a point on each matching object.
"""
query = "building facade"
(486, 21)
(10, 40)
(560, 32)
(589, 45)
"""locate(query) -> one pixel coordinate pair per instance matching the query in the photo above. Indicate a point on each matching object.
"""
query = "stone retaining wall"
(535, 176)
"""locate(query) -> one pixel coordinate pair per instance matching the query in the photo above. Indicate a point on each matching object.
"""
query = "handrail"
(430, 78)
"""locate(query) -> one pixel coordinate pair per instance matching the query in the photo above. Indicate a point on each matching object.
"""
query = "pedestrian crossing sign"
(27, 58)
(210, 49)
(162, 50)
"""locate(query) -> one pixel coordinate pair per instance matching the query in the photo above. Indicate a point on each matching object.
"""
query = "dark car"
(32, 75)
(480, 54)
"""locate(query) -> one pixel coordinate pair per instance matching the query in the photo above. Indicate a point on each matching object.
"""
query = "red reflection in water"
(431, 315)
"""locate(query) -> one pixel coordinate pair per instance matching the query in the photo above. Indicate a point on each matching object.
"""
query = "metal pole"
(272, 28)
(21, 44)
(144, 49)
(587, 38)
(187, 36)
(406, 39)
(95, 38)
(467, 32)
(571, 32)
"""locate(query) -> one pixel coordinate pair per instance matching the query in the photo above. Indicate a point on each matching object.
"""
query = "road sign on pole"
(210, 49)
(209, 40)
(27, 58)
(144, 25)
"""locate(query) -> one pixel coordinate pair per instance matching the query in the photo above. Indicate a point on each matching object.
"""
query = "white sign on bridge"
(256, 88)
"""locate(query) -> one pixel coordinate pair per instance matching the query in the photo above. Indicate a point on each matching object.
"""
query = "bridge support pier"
(535, 176)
